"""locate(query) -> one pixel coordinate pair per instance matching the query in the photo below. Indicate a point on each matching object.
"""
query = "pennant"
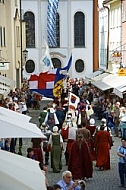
(46, 62)
(73, 101)
(51, 22)
(49, 83)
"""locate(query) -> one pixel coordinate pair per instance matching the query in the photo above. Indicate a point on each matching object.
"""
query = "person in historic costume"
(56, 143)
(36, 145)
(60, 115)
(85, 132)
(71, 136)
(82, 166)
(92, 128)
(42, 116)
(51, 119)
(102, 145)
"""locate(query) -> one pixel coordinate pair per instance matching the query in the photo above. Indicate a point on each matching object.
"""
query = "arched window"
(56, 63)
(79, 29)
(79, 66)
(29, 18)
(30, 66)
(58, 30)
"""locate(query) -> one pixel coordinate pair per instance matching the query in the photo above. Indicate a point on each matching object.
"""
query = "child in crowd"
(30, 153)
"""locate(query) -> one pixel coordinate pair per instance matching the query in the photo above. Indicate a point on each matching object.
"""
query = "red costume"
(37, 150)
(102, 147)
(80, 161)
(92, 129)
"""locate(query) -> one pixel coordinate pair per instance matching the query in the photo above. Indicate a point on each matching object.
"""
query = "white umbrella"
(14, 114)
(14, 128)
(20, 173)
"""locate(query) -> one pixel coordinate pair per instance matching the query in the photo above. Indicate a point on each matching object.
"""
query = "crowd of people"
(72, 131)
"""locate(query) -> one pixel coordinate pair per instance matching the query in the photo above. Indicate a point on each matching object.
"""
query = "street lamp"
(25, 55)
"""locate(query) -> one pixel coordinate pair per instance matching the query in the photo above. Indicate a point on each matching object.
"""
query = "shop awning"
(119, 91)
(101, 85)
(100, 77)
(94, 74)
(114, 80)
(6, 85)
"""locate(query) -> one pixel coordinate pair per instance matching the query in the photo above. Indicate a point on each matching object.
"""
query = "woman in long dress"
(102, 146)
(56, 142)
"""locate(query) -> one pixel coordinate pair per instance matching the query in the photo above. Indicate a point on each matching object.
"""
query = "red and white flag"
(73, 101)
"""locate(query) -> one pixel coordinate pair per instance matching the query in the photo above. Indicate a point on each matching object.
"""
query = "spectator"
(116, 117)
(30, 153)
(67, 183)
(57, 187)
(110, 121)
(122, 117)
(121, 152)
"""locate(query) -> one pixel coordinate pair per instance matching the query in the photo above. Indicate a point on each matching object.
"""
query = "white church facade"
(77, 34)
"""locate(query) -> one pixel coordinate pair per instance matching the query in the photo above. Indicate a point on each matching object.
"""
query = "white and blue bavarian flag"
(51, 22)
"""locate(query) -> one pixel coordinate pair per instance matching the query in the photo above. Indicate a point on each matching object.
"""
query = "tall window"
(58, 30)
(79, 66)
(2, 37)
(79, 29)
(17, 36)
(29, 18)
(1, 1)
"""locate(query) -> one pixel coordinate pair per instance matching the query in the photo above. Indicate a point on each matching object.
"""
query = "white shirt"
(23, 107)
(72, 133)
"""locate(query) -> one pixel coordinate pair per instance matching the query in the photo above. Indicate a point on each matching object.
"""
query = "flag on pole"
(46, 62)
(51, 22)
(44, 83)
(73, 101)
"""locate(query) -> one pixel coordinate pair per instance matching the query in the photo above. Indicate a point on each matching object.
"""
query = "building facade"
(10, 40)
(77, 34)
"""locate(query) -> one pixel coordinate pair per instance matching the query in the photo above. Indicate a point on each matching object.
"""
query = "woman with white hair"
(66, 183)
(56, 143)
(122, 118)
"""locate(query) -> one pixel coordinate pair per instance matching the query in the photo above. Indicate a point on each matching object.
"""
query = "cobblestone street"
(102, 180)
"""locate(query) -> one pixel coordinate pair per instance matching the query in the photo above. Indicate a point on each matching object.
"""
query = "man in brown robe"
(80, 161)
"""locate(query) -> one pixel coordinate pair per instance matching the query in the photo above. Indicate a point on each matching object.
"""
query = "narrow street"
(102, 180)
